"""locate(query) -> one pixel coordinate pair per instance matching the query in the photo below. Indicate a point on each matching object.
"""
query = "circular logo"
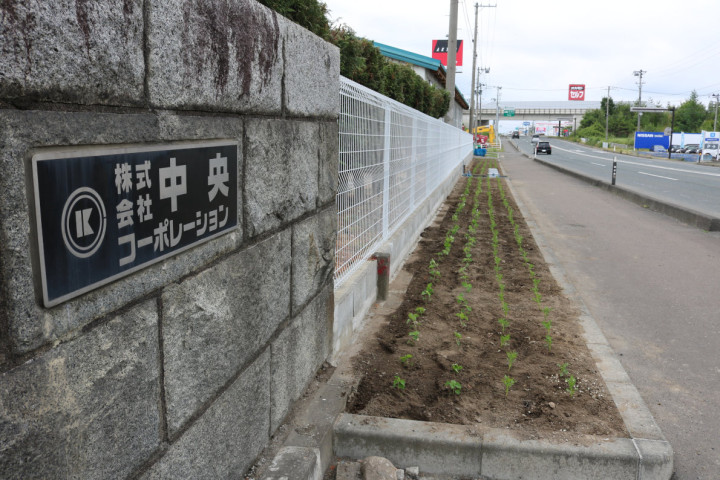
(83, 222)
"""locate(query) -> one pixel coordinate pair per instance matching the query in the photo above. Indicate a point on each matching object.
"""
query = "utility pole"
(607, 113)
(639, 73)
(479, 94)
(716, 96)
(497, 112)
(472, 82)
(452, 54)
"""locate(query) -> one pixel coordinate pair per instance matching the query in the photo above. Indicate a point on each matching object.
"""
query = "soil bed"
(537, 405)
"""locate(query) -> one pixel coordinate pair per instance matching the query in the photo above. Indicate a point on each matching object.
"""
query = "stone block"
(218, 320)
(312, 74)
(72, 52)
(215, 55)
(225, 441)
(25, 132)
(281, 172)
(329, 155)
(298, 352)
(313, 255)
(88, 408)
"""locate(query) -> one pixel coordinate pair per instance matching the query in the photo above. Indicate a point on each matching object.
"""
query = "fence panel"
(392, 158)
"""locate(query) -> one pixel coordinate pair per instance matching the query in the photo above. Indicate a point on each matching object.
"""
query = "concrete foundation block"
(72, 52)
(298, 352)
(214, 55)
(89, 408)
(329, 149)
(218, 320)
(281, 182)
(228, 437)
(298, 463)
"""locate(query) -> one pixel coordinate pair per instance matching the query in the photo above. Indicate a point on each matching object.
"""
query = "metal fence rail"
(392, 158)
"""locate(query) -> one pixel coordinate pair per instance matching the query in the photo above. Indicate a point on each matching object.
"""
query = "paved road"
(684, 183)
(653, 286)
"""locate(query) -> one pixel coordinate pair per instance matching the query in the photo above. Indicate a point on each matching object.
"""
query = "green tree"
(310, 14)
(690, 115)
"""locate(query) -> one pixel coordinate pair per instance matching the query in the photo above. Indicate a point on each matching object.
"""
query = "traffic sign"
(526, 124)
(509, 112)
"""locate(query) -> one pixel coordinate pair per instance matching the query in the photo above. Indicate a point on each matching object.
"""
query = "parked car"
(544, 147)
(692, 149)
(516, 134)
(674, 148)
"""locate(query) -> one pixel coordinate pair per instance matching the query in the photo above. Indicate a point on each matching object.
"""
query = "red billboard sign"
(440, 52)
(576, 92)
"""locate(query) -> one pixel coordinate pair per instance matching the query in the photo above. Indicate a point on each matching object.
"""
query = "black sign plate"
(105, 213)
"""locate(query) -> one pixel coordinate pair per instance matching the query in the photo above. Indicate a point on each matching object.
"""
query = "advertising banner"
(651, 139)
(576, 92)
(440, 52)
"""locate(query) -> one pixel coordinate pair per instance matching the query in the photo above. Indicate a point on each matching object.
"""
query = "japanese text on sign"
(102, 214)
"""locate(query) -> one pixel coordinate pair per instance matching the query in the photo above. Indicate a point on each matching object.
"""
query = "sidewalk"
(651, 283)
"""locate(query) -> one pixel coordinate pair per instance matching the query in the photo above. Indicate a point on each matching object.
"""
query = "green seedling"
(414, 337)
(463, 318)
(546, 312)
(548, 340)
(412, 318)
(427, 293)
(571, 385)
(467, 286)
(563, 369)
(433, 265)
(458, 337)
(511, 356)
(454, 385)
(547, 324)
(508, 382)
(503, 323)
(420, 310)
(455, 229)
(455, 217)
(456, 368)
(398, 383)
(405, 360)
(504, 339)
(461, 299)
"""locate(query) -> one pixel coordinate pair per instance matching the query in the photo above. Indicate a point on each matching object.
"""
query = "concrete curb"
(683, 214)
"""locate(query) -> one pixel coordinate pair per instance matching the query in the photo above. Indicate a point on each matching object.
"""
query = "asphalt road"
(687, 184)
(652, 285)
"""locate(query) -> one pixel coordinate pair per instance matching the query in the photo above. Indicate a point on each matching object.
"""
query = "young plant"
(563, 369)
(414, 337)
(463, 318)
(548, 340)
(504, 324)
(420, 310)
(456, 368)
(572, 382)
(504, 339)
(511, 356)
(467, 286)
(458, 337)
(454, 385)
(412, 318)
(406, 360)
(398, 383)
(508, 382)
(427, 293)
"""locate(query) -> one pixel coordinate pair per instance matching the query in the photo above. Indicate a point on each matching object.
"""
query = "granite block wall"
(183, 368)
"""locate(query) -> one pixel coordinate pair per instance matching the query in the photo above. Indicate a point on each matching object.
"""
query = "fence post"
(413, 163)
(386, 172)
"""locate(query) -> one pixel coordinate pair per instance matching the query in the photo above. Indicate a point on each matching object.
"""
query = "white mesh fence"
(392, 157)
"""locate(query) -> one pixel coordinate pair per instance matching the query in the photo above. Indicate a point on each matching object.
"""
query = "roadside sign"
(526, 124)
(509, 112)
(104, 213)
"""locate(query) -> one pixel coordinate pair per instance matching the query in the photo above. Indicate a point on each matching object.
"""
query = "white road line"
(658, 176)
(599, 164)
(627, 162)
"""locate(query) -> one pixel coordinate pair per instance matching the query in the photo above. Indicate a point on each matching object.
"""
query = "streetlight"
(639, 73)
(716, 106)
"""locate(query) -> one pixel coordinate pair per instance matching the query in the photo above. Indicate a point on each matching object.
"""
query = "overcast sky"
(535, 50)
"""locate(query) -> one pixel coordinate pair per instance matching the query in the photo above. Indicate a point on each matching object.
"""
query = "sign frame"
(88, 154)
